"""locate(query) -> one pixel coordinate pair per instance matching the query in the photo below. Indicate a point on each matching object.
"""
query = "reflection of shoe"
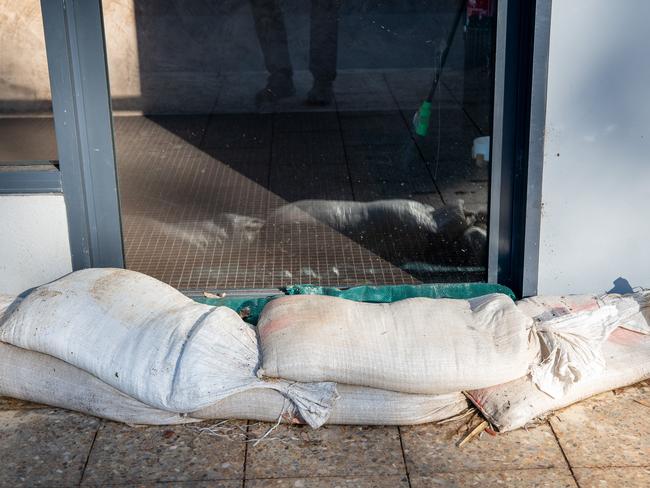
(276, 88)
(321, 93)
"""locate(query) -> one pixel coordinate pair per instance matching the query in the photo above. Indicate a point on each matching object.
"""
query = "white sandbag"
(350, 217)
(356, 405)
(418, 345)
(572, 330)
(633, 309)
(514, 404)
(571, 348)
(374, 223)
(149, 341)
(37, 377)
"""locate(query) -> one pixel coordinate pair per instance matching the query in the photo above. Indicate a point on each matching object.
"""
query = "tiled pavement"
(604, 441)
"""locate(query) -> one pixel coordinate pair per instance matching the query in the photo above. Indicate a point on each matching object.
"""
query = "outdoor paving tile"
(307, 181)
(189, 128)
(298, 451)
(306, 121)
(358, 90)
(604, 431)
(388, 171)
(516, 478)
(376, 127)
(333, 482)
(612, 477)
(238, 131)
(177, 484)
(432, 449)
(308, 148)
(523, 478)
(44, 447)
(125, 454)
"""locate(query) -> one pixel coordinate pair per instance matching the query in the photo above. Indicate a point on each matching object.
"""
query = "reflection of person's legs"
(323, 46)
(272, 34)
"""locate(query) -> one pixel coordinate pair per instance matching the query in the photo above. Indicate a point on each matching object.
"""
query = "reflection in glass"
(270, 142)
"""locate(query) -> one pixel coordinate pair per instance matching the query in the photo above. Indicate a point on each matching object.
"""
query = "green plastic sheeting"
(393, 293)
(251, 307)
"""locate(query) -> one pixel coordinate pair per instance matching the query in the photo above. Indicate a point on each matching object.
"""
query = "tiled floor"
(600, 442)
(198, 192)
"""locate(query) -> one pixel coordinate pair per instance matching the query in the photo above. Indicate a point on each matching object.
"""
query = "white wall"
(595, 226)
(34, 246)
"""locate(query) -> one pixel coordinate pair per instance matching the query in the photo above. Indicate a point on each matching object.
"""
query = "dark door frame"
(83, 123)
(521, 60)
(76, 53)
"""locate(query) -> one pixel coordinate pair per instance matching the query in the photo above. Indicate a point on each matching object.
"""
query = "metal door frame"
(83, 123)
(76, 52)
(519, 119)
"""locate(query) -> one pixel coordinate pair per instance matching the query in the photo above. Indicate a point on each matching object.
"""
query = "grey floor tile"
(523, 478)
(388, 171)
(251, 163)
(238, 130)
(361, 91)
(125, 454)
(189, 128)
(175, 484)
(433, 449)
(334, 482)
(44, 447)
(306, 181)
(411, 87)
(299, 451)
(308, 148)
(374, 127)
(613, 477)
(604, 431)
(323, 121)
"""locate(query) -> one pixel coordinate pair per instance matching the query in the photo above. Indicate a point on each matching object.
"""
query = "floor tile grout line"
(414, 141)
(90, 450)
(243, 480)
(566, 459)
(401, 445)
(323, 476)
(270, 164)
(345, 150)
(462, 107)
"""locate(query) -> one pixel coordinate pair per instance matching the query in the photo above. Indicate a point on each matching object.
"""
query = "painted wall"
(596, 176)
(34, 247)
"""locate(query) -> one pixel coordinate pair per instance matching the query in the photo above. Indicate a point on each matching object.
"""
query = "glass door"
(261, 143)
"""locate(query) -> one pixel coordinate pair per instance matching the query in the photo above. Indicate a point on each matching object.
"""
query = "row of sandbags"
(124, 346)
(515, 362)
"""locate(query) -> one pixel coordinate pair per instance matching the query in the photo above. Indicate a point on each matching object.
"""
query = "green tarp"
(250, 307)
